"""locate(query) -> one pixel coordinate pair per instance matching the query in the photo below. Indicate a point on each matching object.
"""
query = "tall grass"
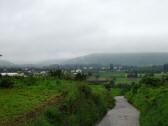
(151, 99)
(82, 106)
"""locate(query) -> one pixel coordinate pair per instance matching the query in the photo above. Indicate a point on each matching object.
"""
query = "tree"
(112, 83)
(6, 82)
(165, 67)
(111, 67)
(57, 73)
(80, 76)
(151, 81)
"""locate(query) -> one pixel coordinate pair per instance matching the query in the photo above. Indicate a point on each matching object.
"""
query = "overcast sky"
(36, 30)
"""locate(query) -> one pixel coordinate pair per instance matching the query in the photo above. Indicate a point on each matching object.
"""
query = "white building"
(12, 74)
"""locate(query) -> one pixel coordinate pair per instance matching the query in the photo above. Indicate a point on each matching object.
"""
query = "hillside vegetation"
(150, 97)
(134, 59)
(121, 58)
(82, 107)
(41, 101)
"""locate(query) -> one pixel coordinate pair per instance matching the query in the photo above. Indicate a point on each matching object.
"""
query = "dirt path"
(124, 114)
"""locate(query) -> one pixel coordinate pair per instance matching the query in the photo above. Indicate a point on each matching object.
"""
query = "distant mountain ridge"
(51, 62)
(4, 63)
(122, 58)
(135, 59)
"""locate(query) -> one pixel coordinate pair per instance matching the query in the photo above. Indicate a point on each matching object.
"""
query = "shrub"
(57, 73)
(6, 82)
(151, 81)
(54, 116)
(151, 101)
(39, 122)
(29, 81)
(108, 86)
(80, 107)
(153, 104)
(84, 90)
(80, 76)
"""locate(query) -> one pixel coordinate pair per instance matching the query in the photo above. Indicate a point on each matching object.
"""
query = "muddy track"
(124, 114)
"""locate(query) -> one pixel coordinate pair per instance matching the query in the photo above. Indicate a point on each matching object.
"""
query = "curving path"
(124, 114)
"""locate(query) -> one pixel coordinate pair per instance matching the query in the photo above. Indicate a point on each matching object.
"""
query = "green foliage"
(80, 76)
(28, 81)
(57, 73)
(83, 106)
(116, 92)
(6, 82)
(116, 77)
(53, 116)
(40, 122)
(151, 81)
(151, 99)
(110, 85)
(153, 105)
(17, 101)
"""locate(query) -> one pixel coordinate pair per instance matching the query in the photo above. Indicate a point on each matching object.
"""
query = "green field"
(22, 99)
(17, 101)
(119, 77)
(83, 105)
(40, 101)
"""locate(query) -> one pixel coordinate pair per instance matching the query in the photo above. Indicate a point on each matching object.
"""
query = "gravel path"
(124, 114)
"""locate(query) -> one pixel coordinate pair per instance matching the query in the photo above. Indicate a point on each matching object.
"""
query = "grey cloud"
(34, 30)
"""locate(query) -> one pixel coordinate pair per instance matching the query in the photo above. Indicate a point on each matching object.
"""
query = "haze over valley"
(39, 30)
(83, 63)
(134, 59)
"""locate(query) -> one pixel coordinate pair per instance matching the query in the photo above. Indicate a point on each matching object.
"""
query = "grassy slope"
(17, 101)
(153, 105)
(20, 100)
(83, 105)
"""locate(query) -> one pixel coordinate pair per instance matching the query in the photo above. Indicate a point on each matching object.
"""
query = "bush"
(108, 86)
(53, 116)
(84, 90)
(153, 104)
(6, 82)
(80, 76)
(151, 81)
(29, 81)
(80, 107)
(151, 99)
(57, 73)
(39, 122)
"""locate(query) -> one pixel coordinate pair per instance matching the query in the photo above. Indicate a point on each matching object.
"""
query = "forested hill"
(137, 59)
(123, 59)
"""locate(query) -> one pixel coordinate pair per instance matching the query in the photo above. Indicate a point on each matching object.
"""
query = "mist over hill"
(123, 59)
(4, 63)
(51, 62)
(135, 59)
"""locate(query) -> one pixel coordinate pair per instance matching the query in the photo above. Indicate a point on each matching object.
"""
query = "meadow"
(72, 101)
(52, 101)
(16, 101)
(118, 77)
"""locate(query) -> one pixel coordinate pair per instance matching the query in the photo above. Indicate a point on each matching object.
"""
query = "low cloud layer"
(36, 30)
